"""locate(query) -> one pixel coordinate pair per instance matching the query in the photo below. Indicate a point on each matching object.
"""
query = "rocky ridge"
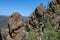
(36, 23)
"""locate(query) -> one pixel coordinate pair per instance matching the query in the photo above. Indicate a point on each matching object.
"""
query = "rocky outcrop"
(40, 11)
(53, 5)
(56, 22)
(16, 29)
(15, 23)
(54, 8)
(37, 18)
(19, 29)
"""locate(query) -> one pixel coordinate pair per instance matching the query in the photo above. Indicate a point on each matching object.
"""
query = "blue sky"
(24, 7)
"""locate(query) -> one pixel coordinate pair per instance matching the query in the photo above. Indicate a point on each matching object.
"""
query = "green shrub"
(49, 32)
(32, 36)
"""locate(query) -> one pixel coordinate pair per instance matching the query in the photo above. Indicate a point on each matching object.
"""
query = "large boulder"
(14, 24)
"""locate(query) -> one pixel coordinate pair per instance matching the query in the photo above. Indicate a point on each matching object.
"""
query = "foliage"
(32, 36)
(57, 10)
(27, 28)
(49, 32)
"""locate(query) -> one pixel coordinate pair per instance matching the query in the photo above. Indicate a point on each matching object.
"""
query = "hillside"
(4, 21)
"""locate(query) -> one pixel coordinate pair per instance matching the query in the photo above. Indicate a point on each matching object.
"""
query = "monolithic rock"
(14, 24)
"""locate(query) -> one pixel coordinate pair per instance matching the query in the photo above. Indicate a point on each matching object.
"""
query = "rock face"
(55, 7)
(54, 4)
(0, 37)
(37, 19)
(14, 24)
(56, 22)
(58, 1)
(16, 29)
(40, 11)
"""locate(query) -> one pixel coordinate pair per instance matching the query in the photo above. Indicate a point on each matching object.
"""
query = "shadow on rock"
(0, 37)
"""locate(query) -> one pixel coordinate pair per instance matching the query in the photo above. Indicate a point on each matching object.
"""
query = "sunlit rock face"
(36, 20)
(40, 11)
(14, 24)
(53, 5)
(17, 26)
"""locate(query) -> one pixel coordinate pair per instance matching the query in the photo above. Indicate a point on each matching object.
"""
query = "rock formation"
(56, 21)
(17, 26)
(37, 19)
(15, 23)
(40, 11)
(55, 7)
